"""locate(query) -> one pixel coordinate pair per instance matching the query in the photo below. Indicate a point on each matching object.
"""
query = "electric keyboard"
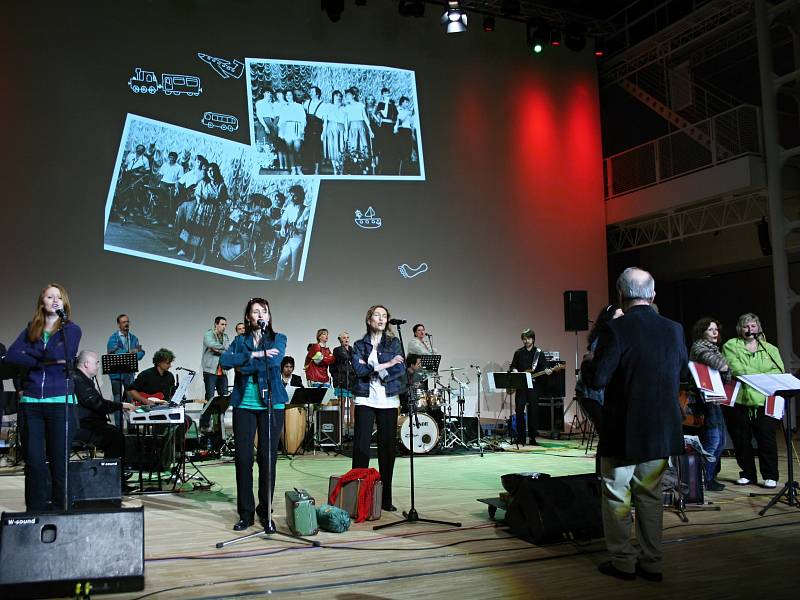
(157, 415)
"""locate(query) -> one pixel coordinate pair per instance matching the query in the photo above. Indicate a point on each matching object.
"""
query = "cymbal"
(451, 369)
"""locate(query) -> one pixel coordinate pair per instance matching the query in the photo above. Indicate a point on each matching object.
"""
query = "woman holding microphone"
(47, 348)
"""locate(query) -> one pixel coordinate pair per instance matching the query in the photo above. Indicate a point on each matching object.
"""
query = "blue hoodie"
(46, 381)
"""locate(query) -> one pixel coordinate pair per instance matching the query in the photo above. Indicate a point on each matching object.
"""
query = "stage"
(730, 553)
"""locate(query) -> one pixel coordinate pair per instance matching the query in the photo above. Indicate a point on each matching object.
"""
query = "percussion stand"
(269, 528)
(791, 487)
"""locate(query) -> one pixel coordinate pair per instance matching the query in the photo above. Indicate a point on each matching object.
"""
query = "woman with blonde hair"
(378, 365)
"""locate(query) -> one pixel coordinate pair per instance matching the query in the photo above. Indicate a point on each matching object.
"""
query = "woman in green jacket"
(751, 354)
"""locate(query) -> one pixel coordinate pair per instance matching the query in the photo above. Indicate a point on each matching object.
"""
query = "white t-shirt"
(377, 393)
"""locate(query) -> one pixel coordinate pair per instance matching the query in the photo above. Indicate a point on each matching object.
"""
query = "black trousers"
(526, 399)
(245, 425)
(106, 437)
(745, 423)
(386, 420)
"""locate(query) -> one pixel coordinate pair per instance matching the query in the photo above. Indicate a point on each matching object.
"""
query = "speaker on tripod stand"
(576, 318)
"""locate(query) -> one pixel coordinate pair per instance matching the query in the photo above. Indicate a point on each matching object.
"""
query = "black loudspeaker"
(96, 482)
(151, 452)
(48, 555)
(556, 509)
(553, 385)
(328, 427)
(576, 310)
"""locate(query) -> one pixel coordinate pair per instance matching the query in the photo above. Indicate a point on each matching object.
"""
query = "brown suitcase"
(348, 497)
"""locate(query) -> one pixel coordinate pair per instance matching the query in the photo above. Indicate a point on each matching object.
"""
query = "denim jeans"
(713, 440)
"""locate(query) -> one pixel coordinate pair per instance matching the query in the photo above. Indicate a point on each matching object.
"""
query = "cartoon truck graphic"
(172, 84)
(224, 122)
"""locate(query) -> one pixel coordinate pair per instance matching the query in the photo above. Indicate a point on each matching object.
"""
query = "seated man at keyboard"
(94, 409)
(156, 384)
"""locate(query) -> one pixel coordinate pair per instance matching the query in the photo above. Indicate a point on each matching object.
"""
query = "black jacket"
(342, 370)
(640, 360)
(93, 407)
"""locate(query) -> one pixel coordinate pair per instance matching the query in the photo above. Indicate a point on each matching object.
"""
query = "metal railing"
(733, 133)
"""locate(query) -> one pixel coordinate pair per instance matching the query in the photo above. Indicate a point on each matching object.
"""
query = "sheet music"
(183, 388)
(708, 381)
(768, 384)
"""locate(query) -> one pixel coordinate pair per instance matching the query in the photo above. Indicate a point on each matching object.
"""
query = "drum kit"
(439, 412)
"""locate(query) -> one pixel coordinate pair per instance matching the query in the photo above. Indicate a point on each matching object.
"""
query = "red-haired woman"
(47, 347)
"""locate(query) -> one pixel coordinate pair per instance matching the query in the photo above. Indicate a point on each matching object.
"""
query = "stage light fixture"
(537, 34)
(599, 47)
(555, 37)
(510, 8)
(488, 24)
(411, 8)
(333, 8)
(454, 18)
(575, 37)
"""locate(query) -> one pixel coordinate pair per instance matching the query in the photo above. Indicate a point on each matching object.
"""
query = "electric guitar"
(535, 374)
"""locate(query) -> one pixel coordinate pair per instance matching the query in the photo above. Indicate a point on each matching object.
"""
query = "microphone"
(62, 315)
(398, 321)
(751, 334)
(428, 334)
(261, 324)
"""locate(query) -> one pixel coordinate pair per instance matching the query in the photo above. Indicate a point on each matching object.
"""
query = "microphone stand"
(757, 337)
(67, 382)
(478, 414)
(269, 528)
(411, 516)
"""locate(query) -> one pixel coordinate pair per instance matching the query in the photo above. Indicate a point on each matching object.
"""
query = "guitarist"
(528, 358)
(156, 384)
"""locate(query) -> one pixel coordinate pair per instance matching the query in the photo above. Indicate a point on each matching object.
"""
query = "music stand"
(120, 364)
(504, 380)
(218, 406)
(790, 488)
(430, 362)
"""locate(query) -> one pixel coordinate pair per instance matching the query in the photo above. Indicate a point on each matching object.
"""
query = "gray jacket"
(212, 350)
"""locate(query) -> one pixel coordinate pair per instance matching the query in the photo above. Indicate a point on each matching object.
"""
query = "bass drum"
(426, 436)
(232, 246)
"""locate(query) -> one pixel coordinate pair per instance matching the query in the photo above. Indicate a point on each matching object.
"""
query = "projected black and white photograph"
(195, 200)
(334, 120)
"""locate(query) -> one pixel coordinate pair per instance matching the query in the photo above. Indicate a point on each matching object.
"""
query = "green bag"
(300, 514)
(333, 518)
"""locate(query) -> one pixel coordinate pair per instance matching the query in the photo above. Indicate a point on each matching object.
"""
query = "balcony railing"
(733, 133)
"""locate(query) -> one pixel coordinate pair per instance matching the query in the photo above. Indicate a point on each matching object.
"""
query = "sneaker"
(608, 568)
(770, 483)
(715, 486)
(742, 481)
(171, 248)
(181, 253)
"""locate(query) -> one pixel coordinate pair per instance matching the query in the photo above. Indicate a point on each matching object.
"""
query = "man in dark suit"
(287, 373)
(640, 360)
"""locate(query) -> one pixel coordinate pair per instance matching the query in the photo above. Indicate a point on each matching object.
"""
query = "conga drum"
(294, 429)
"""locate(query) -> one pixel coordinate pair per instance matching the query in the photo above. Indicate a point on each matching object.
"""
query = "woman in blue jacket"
(47, 347)
(256, 357)
(380, 377)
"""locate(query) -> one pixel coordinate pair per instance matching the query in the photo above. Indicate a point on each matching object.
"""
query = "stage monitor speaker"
(576, 310)
(45, 555)
(556, 509)
(329, 427)
(95, 482)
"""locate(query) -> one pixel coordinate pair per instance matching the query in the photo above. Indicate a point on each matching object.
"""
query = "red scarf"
(365, 493)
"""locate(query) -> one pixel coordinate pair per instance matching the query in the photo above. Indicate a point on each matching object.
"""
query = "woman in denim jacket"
(256, 356)
(47, 347)
(380, 377)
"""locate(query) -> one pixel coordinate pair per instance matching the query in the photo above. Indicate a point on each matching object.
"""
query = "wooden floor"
(728, 554)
